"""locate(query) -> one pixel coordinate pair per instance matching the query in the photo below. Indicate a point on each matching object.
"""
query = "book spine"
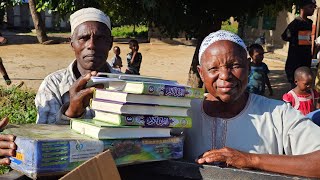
(172, 90)
(156, 121)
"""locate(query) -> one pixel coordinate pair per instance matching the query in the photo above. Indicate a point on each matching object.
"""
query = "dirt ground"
(27, 61)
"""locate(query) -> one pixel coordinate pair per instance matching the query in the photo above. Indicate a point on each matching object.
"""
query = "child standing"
(116, 61)
(134, 58)
(258, 76)
(299, 35)
(303, 97)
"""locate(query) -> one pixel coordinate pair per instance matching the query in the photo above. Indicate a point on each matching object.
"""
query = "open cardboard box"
(100, 167)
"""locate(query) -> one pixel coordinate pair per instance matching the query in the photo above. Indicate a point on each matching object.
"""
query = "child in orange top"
(303, 97)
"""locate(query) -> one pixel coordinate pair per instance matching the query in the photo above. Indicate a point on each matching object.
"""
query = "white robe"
(264, 126)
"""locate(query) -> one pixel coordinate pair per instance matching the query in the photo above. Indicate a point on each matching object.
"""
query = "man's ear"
(71, 43)
(200, 71)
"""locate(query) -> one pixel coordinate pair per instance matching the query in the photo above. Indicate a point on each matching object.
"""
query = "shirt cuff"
(61, 118)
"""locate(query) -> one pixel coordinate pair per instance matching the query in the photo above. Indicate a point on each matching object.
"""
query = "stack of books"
(137, 107)
(133, 119)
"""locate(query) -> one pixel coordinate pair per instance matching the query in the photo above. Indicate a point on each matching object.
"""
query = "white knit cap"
(220, 35)
(88, 14)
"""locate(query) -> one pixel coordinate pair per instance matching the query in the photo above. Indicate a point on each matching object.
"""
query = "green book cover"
(144, 120)
(161, 89)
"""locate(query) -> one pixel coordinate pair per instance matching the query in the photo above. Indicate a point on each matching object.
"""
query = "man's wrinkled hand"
(230, 156)
(80, 96)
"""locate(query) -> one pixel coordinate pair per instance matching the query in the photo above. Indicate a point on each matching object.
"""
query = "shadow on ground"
(17, 38)
(279, 84)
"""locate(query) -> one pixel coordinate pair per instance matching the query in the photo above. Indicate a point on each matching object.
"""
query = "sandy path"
(34, 61)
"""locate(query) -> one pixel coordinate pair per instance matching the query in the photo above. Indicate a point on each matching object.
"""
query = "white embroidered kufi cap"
(220, 35)
(88, 14)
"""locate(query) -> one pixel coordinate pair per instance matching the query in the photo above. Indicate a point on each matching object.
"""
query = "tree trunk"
(194, 79)
(134, 29)
(38, 23)
(242, 25)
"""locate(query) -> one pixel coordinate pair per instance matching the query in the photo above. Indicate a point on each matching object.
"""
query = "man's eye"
(236, 66)
(84, 38)
(213, 69)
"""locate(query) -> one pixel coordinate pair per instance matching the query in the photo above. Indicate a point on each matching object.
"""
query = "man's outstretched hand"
(7, 145)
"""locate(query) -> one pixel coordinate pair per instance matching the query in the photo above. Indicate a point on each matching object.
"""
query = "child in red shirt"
(303, 97)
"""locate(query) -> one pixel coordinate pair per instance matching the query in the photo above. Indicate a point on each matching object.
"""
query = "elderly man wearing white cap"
(62, 94)
(241, 129)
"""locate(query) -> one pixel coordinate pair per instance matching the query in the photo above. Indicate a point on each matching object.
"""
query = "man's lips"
(89, 56)
(227, 87)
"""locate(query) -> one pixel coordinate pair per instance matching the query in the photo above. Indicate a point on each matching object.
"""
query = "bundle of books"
(44, 149)
(140, 107)
(137, 108)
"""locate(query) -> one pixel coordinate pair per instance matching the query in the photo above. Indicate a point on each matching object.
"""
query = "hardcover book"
(120, 79)
(132, 77)
(102, 130)
(145, 85)
(139, 98)
(136, 108)
(157, 89)
(144, 120)
(55, 149)
(132, 151)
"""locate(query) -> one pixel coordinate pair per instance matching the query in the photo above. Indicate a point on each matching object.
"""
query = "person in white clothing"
(241, 129)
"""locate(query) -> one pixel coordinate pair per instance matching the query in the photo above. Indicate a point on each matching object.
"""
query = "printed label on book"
(156, 121)
(174, 91)
(159, 121)
(19, 156)
(53, 154)
(84, 150)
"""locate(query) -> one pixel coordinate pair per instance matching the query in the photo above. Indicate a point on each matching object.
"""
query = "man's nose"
(91, 43)
(225, 73)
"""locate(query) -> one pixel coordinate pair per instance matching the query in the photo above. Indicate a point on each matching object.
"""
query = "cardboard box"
(100, 167)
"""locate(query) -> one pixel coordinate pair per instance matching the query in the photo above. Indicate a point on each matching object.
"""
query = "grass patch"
(127, 32)
(18, 105)
(4, 169)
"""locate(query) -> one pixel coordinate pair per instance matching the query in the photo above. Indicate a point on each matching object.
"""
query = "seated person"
(241, 129)
(62, 95)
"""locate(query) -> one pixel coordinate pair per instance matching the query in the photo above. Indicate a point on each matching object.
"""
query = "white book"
(137, 108)
(101, 130)
(140, 98)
